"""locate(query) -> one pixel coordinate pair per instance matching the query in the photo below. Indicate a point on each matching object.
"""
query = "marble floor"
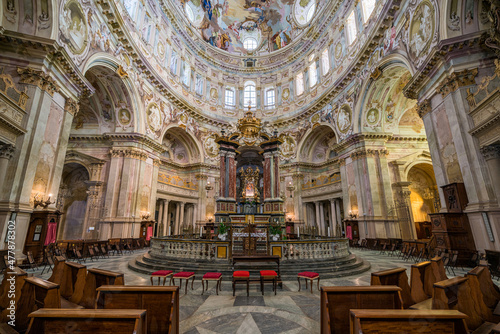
(289, 311)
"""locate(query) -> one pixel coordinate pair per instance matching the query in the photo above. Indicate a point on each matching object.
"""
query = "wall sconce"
(145, 215)
(353, 214)
(290, 188)
(38, 201)
(209, 187)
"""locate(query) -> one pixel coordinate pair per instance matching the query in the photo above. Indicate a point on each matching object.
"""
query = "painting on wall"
(226, 24)
(73, 26)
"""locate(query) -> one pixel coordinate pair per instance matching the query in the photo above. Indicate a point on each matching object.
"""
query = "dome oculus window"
(304, 11)
(250, 43)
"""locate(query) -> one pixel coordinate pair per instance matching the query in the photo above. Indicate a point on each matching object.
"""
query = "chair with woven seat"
(268, 275)
(217, 277)
(183, 275)
(241, 276)
(160, 274)
(308, 275)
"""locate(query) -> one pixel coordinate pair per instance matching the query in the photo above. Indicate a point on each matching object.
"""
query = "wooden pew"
(464, 295)
(420, 278)
(438, 269)
(490, 291)
(161, 303)
(407, 321)
(96, 278)
(398, 277)
(54, 321)
(336, 301)
(19, 276)
(36, 293)
(73, 281)
(58, 270)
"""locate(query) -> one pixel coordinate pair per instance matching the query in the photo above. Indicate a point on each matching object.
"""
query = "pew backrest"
(398, 277)
(96, 278)
(407, 321)
(161, 303)
(337, 301)
(52, 321)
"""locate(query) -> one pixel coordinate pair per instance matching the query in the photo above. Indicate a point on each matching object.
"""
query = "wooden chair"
(96, 278)
(217, 277)
(336, 302)
(268, 275)
(398, 277)
(407, 321)
(187, 275)
(160, 302)
(241, 276)
(52, 321)
(48, 261)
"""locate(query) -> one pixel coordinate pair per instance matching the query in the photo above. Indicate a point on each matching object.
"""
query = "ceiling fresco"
(226, 24)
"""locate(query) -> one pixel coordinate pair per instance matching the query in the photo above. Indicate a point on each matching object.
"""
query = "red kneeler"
(308, 275)
(268, 275)
(212, 277)
(183, 275)
(241, 276)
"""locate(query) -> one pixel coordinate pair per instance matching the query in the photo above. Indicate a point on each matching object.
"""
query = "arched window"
(313, 74)
(229, 97)
(351, 28)
(368, 7)
(186, 74)
(270, 98)
(325, 61)
(250, 43)
(249, 94)
(299, 83)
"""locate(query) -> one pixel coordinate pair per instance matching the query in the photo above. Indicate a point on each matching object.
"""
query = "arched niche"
(316, 146)
(72, 201)
(113, 106)
(181, 147)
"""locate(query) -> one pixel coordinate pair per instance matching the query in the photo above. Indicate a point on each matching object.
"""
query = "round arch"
(107, 61)
(186, 138)
(312, 137)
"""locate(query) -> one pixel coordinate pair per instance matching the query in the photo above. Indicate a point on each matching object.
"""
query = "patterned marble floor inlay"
(289, 311)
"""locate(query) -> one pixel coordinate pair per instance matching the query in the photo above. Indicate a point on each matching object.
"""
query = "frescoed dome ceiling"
(243, 26)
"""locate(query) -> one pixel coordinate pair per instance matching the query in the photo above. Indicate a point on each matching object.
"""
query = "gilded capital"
(424, 107)
(457, 80)
(30, 76)
(71, 106)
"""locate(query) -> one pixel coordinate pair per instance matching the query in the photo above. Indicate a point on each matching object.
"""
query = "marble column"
(160, 228)
(165, 217)
(195, 211)
(333, 217)
(6, 153)
(322, 222)
(339, 218)
(181, 218)
(491, 154)
(176, 222)
(317, 220)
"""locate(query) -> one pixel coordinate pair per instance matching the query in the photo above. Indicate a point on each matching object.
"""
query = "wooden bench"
(398, 277)
(407, 321)
(73, 281)
(338, 300)
(35, 294)
(96, 278)
(161, 303)
(490, 291)
(463, 295)
(438, 270)
(54, 321)
(421, 280)
(58, 270)
(6, 329)
(19, 276)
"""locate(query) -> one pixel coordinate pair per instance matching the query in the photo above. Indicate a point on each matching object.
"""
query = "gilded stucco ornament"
(344, 119)
(154, 117)
(372, 117)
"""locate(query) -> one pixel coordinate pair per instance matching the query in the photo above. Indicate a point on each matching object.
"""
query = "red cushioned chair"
(308, 275)
(212, 277)
(268, 275)
(183, 275)
(160, 274)
(241, 276)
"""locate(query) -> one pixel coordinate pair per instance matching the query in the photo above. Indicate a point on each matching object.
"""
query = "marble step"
(351, 268)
